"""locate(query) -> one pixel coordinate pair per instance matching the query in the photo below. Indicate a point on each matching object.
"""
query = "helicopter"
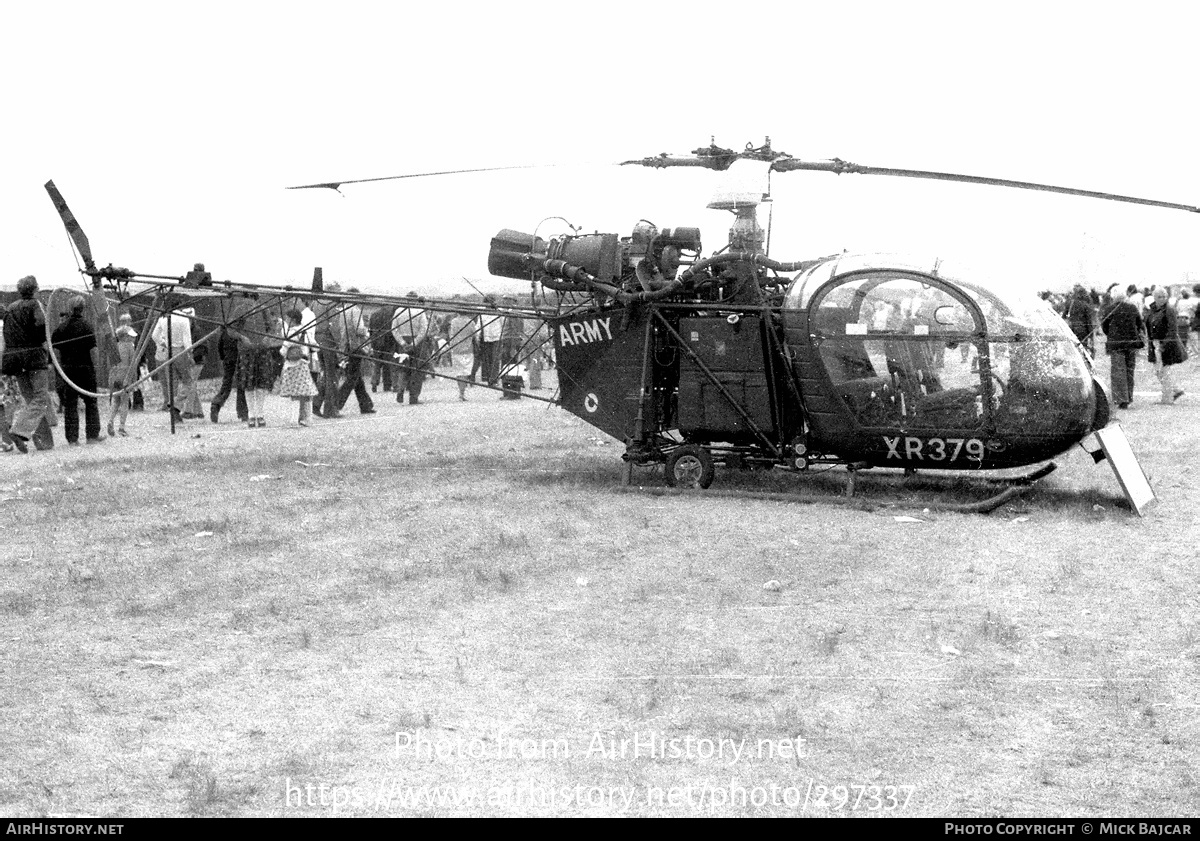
(856, 360)
(741, 361)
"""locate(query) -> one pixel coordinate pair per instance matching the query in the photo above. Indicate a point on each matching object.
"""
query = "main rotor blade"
(839, 166)
(333, 185)
(73, 228)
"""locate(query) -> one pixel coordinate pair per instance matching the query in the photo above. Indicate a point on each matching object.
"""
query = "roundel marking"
(591, 402)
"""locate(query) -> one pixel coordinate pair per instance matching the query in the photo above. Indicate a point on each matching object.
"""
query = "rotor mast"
(746, 235)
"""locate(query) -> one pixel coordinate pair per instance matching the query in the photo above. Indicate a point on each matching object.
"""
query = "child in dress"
(122, 374)
(295, 382)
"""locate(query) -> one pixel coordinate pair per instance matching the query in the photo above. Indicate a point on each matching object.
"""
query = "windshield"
(1010, 314)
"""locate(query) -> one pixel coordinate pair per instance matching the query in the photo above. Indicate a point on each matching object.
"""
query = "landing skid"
(1014, 486)
(1029, 478)
(985, 506)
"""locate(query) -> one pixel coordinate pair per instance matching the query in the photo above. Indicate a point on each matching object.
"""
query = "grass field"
(450, 609)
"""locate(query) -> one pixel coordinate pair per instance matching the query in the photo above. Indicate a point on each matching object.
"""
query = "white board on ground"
(1125, 464)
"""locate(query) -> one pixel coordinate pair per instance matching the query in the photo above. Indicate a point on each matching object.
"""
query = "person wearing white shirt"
(491, 328)
(464, 336)
(1185, 313)
(1134, 296)
(307, 319)
(191, 406)
(181, 363)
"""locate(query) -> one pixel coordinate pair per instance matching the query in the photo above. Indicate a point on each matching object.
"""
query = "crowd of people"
(1158, 321)
(318, 354)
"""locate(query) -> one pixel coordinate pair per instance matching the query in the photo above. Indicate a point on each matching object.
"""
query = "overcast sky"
(172, 133)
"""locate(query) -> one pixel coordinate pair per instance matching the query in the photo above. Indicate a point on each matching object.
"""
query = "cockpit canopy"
(876, 279)
(906, 345)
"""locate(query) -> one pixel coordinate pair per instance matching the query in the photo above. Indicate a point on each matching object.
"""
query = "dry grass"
(183, 639)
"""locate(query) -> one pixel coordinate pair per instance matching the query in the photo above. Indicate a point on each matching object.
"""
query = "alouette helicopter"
(739, 360)
(858, 360)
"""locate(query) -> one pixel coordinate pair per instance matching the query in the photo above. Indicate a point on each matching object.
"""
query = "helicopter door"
(901, 352)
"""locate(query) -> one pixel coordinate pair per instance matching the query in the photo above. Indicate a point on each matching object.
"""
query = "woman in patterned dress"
(296, 382)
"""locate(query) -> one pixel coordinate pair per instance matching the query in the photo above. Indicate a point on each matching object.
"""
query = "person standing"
(464, 336)
(192, 408)
(227, 352)
(75, 343)
(383, 346)
(1194, 339)
(537, 352)
(1185, 313)
(512, 337)
(121, 375)
(177, 376)
(10, 399)
(410, 329)
(1081, 317)
(328, 330)
(443, 354)
(27, 360)
(296, 380)
(1123, 331)
(258, 343)
(490, 329)
(1135, 297)
(1167, 350)
(355, 348)
(10, 395)
(308, 320)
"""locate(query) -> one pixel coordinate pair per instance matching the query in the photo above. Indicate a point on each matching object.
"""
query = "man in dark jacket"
(1081, 317)
(1163, 333)
(227, 351)
(1123, 331)
(329, 331)
(383, 346)
(26, 359)
(75, 343)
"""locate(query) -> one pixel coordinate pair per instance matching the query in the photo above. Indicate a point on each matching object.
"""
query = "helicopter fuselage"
(867, 361)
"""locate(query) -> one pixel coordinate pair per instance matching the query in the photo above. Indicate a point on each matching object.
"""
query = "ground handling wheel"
(690, 466)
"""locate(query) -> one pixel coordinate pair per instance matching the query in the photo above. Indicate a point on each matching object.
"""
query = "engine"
(648, 259)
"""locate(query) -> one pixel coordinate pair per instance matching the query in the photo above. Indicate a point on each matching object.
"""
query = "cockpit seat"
(953, 408)
(873, 400)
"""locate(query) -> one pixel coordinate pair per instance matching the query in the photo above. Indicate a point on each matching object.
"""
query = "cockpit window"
(901, 351)
(1017, 315)
(915, 348)
(895, 304)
